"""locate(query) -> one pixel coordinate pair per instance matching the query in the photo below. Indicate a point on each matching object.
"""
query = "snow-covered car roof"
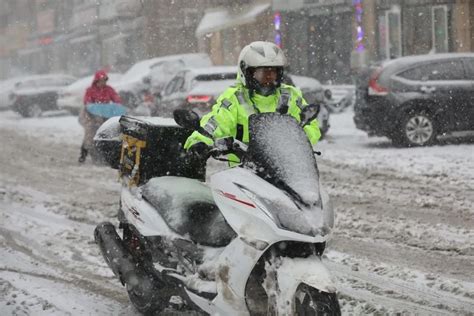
(142, 68)
(402, 63)
(211, 80)
(407, 60)
(42, 84)
(40, 81)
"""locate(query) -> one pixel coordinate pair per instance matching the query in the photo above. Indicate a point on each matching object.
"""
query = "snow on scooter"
(250, 243)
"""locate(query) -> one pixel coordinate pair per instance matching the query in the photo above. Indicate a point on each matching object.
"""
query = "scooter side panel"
(233, 270)
(144, 216)
(244, 215)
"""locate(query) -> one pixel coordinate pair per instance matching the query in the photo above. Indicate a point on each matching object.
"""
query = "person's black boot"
(82, 157)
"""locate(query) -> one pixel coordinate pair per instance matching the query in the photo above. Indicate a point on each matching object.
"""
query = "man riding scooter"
(249, 240)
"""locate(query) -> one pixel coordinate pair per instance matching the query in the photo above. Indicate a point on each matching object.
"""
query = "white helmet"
(260, 54)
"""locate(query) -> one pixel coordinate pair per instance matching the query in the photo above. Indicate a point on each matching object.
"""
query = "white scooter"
(249, 243)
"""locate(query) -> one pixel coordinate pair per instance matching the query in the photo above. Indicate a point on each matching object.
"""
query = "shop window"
(439, 19)
(394, 32)
(390, 34)
(382, 31)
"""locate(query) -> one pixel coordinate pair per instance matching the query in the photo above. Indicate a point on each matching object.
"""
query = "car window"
(175, 85)
(170, 86)
(442, 70)
(214, 77)
(179, 86)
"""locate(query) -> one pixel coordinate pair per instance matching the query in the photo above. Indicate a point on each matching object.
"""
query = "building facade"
(317, 37)
(225, 29)
(401, 28)
(325, 39)
(81, 36)
(415, 27)
(332, 39)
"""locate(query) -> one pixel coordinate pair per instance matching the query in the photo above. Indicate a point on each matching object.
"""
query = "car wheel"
(417, 128)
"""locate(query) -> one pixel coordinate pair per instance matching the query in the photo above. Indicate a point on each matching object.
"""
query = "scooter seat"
(188, 208)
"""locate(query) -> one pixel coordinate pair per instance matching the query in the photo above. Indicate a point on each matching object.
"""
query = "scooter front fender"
(292, 272)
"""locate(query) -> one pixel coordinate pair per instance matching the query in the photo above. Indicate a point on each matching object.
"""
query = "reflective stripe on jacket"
(229, 116)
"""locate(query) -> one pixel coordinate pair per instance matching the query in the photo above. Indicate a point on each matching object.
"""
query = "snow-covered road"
(403, 243)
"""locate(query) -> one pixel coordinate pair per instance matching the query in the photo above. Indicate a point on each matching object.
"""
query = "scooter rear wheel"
(148, 297)
(312, 302)
(146, 303)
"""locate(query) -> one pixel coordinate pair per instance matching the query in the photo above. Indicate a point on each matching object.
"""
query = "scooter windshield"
(280, 152)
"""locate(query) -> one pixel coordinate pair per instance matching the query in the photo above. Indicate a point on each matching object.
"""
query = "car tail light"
(199, 98)
(374, 86)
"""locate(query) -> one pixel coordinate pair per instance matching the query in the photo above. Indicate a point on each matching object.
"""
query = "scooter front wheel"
(312, 302)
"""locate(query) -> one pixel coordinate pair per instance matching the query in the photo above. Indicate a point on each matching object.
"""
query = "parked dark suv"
(414, 99)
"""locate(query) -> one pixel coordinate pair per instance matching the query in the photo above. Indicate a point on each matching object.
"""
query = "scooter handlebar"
(225, 146)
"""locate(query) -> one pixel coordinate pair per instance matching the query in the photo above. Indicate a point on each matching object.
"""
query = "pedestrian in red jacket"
(98, 92)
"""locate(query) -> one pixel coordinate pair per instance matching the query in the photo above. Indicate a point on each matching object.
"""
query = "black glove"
(199, 150)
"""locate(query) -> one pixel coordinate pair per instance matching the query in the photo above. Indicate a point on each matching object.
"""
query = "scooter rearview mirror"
(309, 113)
(187, 119)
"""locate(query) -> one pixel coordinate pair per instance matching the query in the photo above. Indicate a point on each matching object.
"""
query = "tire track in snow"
(94, 283)
(67, 298)
(87, 285)
(399, 306)
(407, 290)
(31, 248)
